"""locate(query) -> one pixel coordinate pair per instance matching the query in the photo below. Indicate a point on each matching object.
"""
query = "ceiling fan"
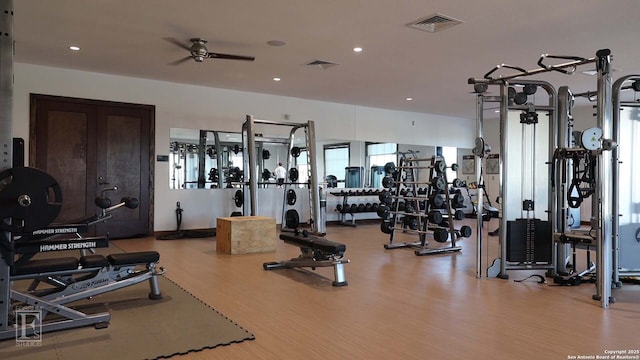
(198, 52)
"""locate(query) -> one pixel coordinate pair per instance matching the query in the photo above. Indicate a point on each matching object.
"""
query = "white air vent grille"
(435, 22)
(320, 64)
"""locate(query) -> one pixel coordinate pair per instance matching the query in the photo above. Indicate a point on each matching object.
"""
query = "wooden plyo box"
(245, 234)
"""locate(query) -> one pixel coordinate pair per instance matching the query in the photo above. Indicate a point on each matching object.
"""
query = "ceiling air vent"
(435, 22)
(320, 64)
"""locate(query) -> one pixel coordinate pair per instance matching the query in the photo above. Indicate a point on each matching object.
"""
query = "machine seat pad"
(93, 261)
(315, 243)
(45, 265)
(143, 257)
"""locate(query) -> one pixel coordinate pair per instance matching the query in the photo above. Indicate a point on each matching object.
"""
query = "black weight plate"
(530, 89)
(389, 168)
(454, 167)
(438, 183)
(386, 227)
(387, 181)
(291, 197)
(293, 174)
(457, 200)
(383, 211)
(412, 223)
(465, 231)
(456, 183)
(437, 200)
(238, 198)
(266, 154)
(292, 219)
(440, 166)
(295, 151)
(266, 174)
(385, 197)
(435, 217)
(31, 199)
(440, 235)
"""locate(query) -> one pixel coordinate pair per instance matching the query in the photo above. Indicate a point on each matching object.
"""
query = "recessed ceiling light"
(276, 43)
(74, 48)
(409, 99)
(276, 79)
(357, 49)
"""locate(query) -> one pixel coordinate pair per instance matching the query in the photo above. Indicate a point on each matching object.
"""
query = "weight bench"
(316, 252)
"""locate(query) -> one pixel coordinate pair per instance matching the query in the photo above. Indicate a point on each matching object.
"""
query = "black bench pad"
(315, 243)
(45, 265)
(93, 261)
(143, 257)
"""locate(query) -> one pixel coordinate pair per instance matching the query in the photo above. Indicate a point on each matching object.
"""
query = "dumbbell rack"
(422, 210)
(345, 206)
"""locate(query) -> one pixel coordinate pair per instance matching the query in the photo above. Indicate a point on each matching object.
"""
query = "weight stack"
(529, 241)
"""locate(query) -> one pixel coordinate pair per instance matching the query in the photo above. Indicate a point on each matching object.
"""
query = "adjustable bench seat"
(45, 265)
(316, 252)
(315, 243)
(143, 257)
(93, 261)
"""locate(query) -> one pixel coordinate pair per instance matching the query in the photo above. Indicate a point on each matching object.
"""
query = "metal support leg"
(340, 278)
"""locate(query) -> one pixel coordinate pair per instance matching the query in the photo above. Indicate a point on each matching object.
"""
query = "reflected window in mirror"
(183, 157)
(302, 164)
(377, 155)
(336, 159)
(450, 155)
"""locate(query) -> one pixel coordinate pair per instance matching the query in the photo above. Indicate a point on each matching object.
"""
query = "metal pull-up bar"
(571, 65)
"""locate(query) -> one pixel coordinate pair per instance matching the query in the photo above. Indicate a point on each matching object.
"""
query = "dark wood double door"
(93, 148)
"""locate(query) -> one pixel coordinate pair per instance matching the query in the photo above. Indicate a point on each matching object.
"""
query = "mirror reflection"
(209, 159)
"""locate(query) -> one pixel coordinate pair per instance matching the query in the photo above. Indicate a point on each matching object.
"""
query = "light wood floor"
(397, 305)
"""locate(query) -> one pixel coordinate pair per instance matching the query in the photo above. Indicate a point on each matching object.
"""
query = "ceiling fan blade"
(180, 61)
(230, 57)
(177, 42)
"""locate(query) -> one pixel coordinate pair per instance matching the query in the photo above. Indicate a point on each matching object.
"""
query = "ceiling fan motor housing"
(198, 50)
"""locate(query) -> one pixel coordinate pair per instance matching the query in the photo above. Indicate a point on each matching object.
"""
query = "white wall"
(197, 107)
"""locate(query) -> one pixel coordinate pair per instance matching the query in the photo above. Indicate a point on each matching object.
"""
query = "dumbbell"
(353, 208)
(374, 207)
(437, 200)
(385, 197)
(389, 168)
(439, 183)
(465, 231)
(411, 222)
(361, 207)
(383, 211)
(387, 227)
(388, 181)
(368, 207)
(440, 166)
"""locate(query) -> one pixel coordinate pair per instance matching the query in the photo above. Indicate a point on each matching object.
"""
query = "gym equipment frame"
(626, 226)
(289, 221)
(602, 199)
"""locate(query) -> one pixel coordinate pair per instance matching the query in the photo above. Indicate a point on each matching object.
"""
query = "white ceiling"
(125, 37)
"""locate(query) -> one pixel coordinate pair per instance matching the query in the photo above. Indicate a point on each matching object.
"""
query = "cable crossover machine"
(547, 169)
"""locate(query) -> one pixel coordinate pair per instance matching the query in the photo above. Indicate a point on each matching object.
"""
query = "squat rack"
(602, 197)
(250, 160)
